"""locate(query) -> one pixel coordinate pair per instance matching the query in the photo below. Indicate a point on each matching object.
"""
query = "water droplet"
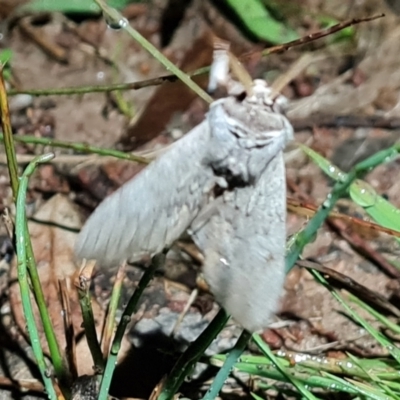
(349, 364)
(327, 201)
(123, 22)
(100, 75)
(116, 24)
(391, 157)
(342, 177)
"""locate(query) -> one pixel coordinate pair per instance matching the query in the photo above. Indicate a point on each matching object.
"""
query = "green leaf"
(260, 23)
(331, 170)
(5, 56)
(363, 194)
(383, 212)
(281, 367)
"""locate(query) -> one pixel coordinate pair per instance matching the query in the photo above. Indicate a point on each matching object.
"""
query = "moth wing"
(153, 209)
(244, 247)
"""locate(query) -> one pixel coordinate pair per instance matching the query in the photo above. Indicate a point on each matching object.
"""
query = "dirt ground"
(344, 103)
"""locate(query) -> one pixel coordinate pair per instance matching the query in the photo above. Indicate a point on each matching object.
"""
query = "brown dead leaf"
(53, 245)
(194, 38)
(170, 97)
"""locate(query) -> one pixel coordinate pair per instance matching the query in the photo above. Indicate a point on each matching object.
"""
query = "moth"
(223, 183)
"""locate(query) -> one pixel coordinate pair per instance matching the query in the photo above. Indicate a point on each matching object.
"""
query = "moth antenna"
(295, 69)
(224, 62)
(219, 72)
(241, 74)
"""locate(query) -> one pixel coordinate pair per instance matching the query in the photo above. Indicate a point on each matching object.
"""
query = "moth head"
(263, 94)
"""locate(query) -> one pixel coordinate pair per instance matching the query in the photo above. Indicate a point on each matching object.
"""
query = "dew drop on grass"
(115, 24)
(100, 76)
(342, 177)
(390, 348)
(327, 201)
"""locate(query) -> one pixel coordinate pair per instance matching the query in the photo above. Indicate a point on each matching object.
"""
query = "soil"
(335, 103)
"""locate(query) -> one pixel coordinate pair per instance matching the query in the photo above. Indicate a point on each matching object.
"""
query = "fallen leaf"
(53, 241)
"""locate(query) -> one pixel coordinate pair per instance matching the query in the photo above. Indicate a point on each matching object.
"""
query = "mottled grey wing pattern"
(244, 247)
(242, 232)
(225, 181)
(153, 209)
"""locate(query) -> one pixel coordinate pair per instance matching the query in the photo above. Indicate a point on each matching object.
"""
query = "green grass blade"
(157, 261)
(383, 385)
(331, 170)
(360, 191)
(293, 380)
(381, 318)
(379, 209)
(225, 370)
(193, 353)
(111, 14)
(77, 146)
(59, 365)
(378, 336)
(70, 6)
(21, 235)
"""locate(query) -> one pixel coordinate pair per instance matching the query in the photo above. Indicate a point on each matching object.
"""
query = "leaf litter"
(315, 318)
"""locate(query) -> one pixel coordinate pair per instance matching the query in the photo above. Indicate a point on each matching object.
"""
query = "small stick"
(83, 284)
(172, 78)
(68, 329)
(189, 303)
(22, 384)
(53, 50)
(280, 48)
(112, 310)
(308, 209)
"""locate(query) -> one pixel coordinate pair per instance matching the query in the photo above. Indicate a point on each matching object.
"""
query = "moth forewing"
(153, 209)
(225, 182)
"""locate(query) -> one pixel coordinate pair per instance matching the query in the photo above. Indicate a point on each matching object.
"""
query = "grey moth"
(224, 183)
